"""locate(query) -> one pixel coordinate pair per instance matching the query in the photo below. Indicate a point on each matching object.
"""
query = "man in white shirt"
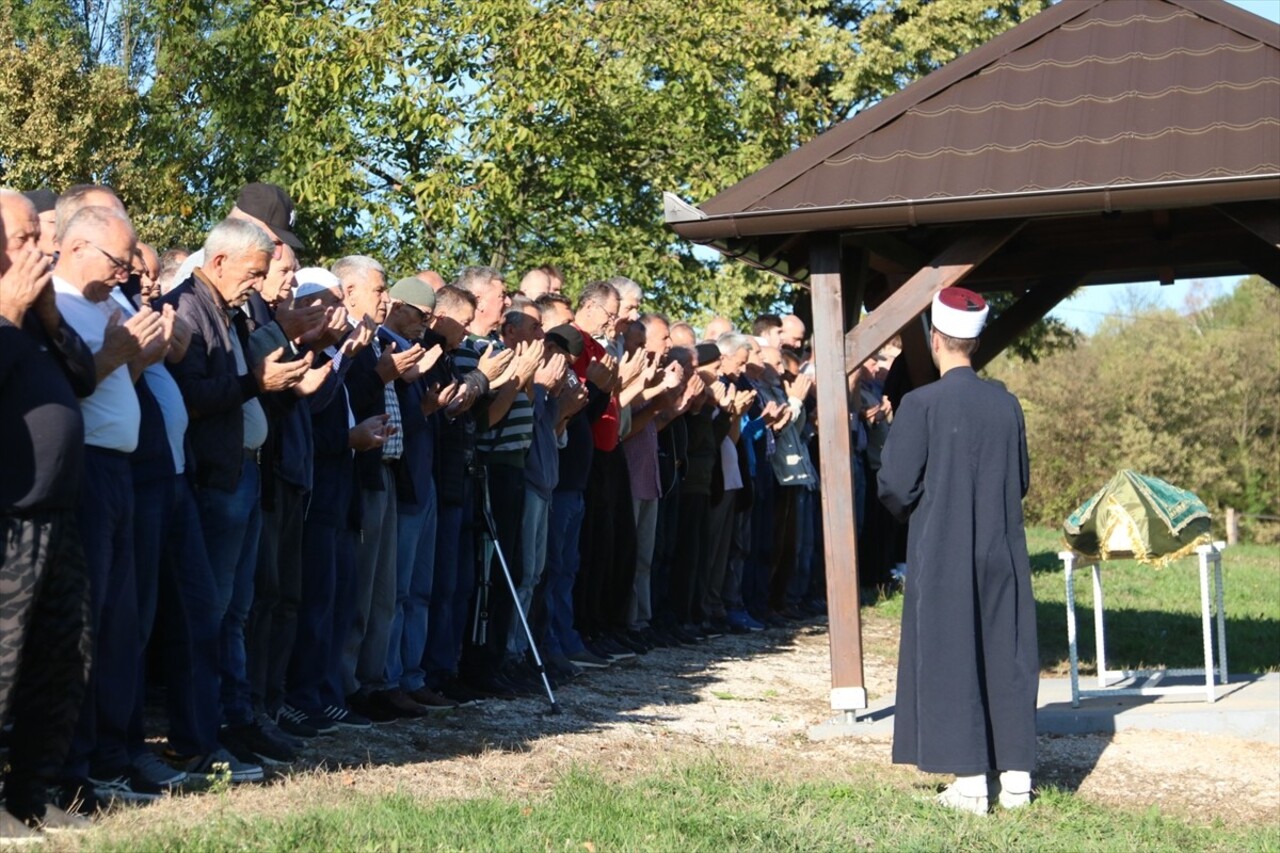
(95, 254)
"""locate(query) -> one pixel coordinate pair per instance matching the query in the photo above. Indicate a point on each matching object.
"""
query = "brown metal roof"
(1092, 105)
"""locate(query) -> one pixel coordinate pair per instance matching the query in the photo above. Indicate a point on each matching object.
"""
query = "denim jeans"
(567, 508)
(415, 576)
(232, 522)
(533, 553)
(640, 607)
(174, 576)
(806, 504)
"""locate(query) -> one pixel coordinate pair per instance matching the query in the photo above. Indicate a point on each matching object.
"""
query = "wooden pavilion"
(1099, 142)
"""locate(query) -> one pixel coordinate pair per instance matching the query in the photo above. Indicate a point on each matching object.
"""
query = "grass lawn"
(1153, 615)
(705, 806)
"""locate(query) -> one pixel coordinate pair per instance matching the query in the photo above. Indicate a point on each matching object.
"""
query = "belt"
(254, 454)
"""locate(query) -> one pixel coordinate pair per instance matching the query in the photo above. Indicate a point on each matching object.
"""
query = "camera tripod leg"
(492, 528)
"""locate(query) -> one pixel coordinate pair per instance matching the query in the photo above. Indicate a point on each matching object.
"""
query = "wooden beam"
(954, 263)
(1014, 321)
(1262, 220)
(854, 275)
(839, 534)
(915, 348)
(1259, 218)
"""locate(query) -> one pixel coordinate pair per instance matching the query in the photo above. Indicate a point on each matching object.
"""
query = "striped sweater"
(506, 442)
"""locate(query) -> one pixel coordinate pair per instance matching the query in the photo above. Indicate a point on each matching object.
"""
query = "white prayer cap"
(313, 280)
(959, 313)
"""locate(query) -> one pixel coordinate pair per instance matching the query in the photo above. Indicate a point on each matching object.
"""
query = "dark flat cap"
(567, 337)
(44, 199)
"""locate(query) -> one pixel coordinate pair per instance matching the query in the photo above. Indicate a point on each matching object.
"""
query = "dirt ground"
(749, 700)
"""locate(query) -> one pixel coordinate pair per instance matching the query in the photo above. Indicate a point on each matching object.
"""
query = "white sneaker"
(953, 799)
(1014, 787)
(1014, 801)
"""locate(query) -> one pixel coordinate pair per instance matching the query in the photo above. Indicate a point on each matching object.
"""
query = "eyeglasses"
(420, 315)
(119, 265)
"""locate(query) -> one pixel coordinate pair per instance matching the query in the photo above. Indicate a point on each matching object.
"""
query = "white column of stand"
(1207, 553)
(1069, 565)
(1206, 625)
(1224, 675)
(1099, 629)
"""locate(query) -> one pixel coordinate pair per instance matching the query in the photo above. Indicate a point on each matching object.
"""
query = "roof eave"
(935, 211)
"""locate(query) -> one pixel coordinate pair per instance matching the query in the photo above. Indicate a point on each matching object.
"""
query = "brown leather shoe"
(431, 699)
(398, 703)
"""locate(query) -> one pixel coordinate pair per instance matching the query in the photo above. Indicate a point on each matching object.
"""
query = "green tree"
(515, 132)
(1191, 398)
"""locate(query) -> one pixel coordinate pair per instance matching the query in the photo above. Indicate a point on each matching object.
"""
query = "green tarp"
(1140, 517)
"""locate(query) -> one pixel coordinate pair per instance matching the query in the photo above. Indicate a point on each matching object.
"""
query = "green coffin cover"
(1140, 517)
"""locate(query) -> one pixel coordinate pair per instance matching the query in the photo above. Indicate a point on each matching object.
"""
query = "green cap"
(414, 291)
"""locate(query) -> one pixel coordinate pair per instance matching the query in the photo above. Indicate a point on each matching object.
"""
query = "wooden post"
(840, 538)
(1233, 526)
(905, 304)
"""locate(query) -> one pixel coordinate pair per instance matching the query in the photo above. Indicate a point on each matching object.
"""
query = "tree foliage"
(1191, 399)
(515, 132)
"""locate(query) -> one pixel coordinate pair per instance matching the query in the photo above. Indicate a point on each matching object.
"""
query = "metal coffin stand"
(1151, 686)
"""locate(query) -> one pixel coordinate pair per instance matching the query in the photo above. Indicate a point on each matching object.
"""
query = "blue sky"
(1091, 305)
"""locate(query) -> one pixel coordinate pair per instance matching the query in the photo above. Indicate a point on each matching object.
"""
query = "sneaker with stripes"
(347, 719)
(296, 722)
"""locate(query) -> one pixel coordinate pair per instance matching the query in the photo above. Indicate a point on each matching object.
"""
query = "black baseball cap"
(568, 338)
(273, 206)
(45, 200)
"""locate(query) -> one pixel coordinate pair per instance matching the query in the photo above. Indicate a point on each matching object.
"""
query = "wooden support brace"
(1262, 220)
(1259, 218)
(948, 268)
(1014, 321)
(840, 538)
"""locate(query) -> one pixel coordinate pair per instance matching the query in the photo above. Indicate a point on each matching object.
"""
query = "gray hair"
(95, 218)
(731, 342)
(356, 265)
(236, 238)
(474, 280)
(627, 287)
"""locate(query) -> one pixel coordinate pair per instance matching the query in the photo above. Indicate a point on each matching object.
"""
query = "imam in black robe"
(955, 464)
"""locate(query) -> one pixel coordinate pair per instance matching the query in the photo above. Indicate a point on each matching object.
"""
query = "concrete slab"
(1248, 708)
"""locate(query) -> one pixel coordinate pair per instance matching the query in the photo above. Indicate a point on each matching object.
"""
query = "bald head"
(682, 335)
(717, 327)
(535, 283)
(79, 197)
(792, 331)
(432, 278)
(96, 251)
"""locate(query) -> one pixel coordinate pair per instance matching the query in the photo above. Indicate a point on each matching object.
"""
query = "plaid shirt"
(394, 446)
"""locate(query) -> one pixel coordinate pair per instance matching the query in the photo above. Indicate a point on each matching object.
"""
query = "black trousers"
(692, 552)
(607, 547)
(784, 554)
(506, 500)
(45, 648)
(277, 595)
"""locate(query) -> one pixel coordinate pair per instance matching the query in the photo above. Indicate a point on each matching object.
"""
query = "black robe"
(956, 464)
